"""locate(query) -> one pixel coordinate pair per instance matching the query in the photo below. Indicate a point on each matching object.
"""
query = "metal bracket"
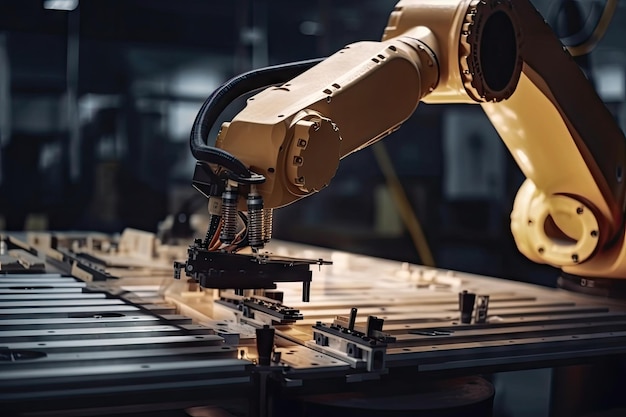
(225, 270)
(261, 309)
(361, 349)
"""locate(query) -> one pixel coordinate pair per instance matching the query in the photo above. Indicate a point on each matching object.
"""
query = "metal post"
(72, 66)
(5, 98)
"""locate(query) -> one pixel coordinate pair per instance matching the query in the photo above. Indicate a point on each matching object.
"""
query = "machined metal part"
(223, 270)
(55, 325)
(233, 332)
(466, 306)
(362, 349)
(255, 219)
(265, 344)
(14, 258)
(260, 309)
(229, 214)
(425, 320)
(360, 354)
(70, 260)
(302, 360)
(276, 310)
(65, 387)
(67, 344)
(73, 322)
(29, 261)
(268, 224)
(9, 263)
(482, 309)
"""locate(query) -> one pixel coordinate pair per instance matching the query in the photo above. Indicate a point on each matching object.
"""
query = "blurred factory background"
(97, 100)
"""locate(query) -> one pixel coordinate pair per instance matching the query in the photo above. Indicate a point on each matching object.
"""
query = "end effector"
(229, 228)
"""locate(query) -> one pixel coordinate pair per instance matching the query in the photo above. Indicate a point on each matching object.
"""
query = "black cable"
(214, 222)
(215, 104)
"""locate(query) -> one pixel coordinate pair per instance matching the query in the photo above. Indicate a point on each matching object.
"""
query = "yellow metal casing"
(498, 53)
(569, 147)
(355, 97)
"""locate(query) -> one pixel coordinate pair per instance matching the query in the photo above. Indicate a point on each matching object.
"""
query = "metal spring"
(268, 220)
(229, 215)
(255, 220)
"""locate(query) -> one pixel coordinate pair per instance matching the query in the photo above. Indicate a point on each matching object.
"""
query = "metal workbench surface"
(132, 338)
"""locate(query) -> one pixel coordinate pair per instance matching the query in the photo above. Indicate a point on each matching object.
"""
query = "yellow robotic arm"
(498, 53)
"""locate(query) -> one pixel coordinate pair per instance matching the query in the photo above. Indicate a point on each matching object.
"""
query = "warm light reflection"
(503, 118)
(524, 162)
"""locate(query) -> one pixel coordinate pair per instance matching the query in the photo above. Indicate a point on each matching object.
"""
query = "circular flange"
(577, 242)
(314, 154)
(490, 45)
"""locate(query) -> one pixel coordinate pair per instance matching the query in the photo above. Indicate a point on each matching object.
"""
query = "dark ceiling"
(125, 40)
(178, 31)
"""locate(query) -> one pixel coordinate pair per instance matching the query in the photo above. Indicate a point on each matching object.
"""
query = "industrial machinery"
(95, 326)
(289, 139)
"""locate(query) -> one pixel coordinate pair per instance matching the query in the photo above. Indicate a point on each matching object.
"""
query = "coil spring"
(268, 220)
(229, 215)
(255, 220)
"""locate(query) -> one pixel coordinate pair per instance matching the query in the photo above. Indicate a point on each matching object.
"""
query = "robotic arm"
(288, 141)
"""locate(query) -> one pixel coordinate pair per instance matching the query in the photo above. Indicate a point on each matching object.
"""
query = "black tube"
(214, 222)
(215, 104)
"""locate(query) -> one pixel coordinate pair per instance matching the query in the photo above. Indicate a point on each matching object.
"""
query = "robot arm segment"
(296, 133)
(569, 213)
(499, 53)
(572, 152)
